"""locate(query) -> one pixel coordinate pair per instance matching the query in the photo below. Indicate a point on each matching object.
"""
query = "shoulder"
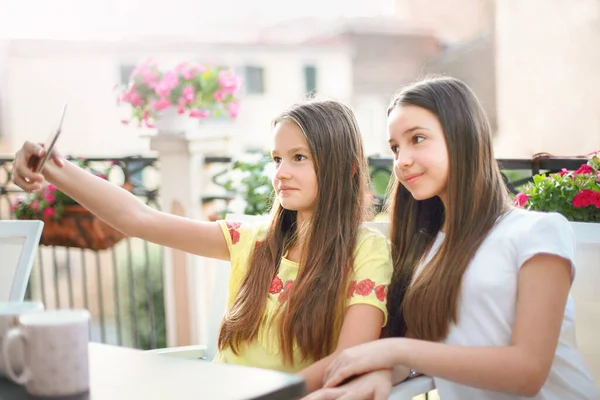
(526, 222)
(535, 232)
(372, 250)
(373, 233)
(243, 233)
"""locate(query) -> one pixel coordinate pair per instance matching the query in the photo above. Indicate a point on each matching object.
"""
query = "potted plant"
(67, 223)
(174, 100)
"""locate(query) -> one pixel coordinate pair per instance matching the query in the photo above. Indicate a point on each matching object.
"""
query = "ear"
(354, 168)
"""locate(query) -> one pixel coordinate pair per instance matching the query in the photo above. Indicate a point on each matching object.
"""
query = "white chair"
(218, 305)
(19, 241)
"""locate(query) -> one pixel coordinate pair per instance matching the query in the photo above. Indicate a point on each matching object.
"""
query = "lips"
(411, 178)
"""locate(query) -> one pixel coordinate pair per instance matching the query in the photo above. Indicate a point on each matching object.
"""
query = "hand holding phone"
(37, 164)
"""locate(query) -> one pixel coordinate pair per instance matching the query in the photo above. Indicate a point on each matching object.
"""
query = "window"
(254, 79)
(125, 72)
(310, 80)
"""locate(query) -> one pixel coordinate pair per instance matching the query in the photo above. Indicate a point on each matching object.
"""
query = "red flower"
(286, 291)
(520, 199)
(596, 200)
(584, 169)
(235, 236)
(351, 289)
(233, 225)
(276, 286)
(586, 198)
(381, 292)
(233, 231)
(365, 287)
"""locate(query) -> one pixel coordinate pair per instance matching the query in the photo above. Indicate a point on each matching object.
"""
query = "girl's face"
(420, 153)
(295, 179)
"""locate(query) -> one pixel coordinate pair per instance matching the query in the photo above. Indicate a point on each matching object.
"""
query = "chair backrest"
(19, 241)
(218, 300)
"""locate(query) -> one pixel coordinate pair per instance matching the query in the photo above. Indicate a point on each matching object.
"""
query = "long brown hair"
(476, 197)
(314, 311)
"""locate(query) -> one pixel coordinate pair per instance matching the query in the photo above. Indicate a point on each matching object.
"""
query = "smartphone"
(51, 142)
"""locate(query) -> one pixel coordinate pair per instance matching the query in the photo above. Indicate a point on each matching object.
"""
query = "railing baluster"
(69, 278)
(84, 281)
(132, 304)
(116, 290)
(55, 269)
(41, 272)
(100, 299)
(150, 297)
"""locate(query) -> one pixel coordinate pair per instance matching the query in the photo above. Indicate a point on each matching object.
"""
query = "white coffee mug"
(56, 352)
(9, 315)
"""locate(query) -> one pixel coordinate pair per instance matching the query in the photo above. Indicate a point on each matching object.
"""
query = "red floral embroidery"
(351, 289)
(286, 291)
(233, 231)
(276, 286)
(365, 287)
(381, 292)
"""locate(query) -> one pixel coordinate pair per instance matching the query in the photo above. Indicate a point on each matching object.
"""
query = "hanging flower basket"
(79, 228)
(67, 223)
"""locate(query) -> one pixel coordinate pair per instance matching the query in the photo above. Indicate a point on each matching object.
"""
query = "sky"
(115, 19)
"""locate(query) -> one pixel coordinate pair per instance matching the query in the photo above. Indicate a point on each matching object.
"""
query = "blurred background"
(533, 64)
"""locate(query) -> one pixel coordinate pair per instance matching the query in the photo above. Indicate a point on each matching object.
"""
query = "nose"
(282, 172)
(403, 159)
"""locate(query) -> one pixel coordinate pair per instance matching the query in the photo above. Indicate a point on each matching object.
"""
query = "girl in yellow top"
(303, 286)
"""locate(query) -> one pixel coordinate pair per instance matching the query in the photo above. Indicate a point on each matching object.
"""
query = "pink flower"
(124, 122)
(181, 106)
(49, 197)
(169, 81)
(132, 97)
(49, 212)
(563, 172)
(185, 71)
(228, 82)
(219, 95)
(161, 104)
(593, 153)
(584, 169)
(196, 69)
(234, 109)
(200, 114)
(188, 94)
(520, 199)
(35, 205)
(51, 188)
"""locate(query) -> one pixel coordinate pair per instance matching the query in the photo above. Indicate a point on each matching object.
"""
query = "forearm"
(111, 203)
(505, 369)
(399, 374)
(315, 373)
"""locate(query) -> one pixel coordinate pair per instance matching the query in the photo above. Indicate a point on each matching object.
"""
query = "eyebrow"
(300, 149)
(410, 130)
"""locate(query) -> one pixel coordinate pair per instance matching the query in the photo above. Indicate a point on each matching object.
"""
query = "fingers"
(324, 394)
(22, 175)
(339, 375)
(58, 158)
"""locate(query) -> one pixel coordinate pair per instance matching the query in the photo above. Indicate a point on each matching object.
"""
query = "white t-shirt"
(489, 296)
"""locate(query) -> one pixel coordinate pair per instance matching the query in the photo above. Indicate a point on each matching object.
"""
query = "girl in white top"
(480, 294)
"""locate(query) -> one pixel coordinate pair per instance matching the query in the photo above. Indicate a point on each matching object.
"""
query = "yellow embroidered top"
(368, 285)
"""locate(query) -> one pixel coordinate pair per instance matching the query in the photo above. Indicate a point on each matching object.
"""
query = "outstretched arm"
(119, 208)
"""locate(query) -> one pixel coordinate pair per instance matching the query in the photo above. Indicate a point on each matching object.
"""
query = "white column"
(548, 80)
(187, 278)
